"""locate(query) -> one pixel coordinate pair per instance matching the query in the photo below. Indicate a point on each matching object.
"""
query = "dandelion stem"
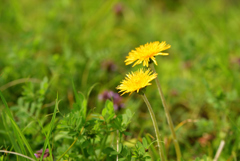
(160, 148)
(169, 119)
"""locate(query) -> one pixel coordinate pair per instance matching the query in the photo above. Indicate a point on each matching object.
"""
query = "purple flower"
(39, 153)
(115, 97)
(118, 9)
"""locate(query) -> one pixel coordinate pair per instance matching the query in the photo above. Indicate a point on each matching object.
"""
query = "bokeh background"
(44, 45)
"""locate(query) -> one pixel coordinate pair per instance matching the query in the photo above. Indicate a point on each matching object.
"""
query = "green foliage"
(140, 150)
(90, 132)
(94, 131)
(81, 104)
(108, 111)
(29, 105)
(204, 158)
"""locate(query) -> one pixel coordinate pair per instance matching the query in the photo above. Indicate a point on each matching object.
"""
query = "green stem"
(169, 119)
(94, 150)
(103, 144)
(160, 148)
(70, 146)
(83, 154)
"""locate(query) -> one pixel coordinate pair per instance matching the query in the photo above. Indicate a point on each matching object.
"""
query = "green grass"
(45, 45)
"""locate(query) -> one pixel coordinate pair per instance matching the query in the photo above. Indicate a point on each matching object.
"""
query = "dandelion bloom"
(146, 52)
(135, 81)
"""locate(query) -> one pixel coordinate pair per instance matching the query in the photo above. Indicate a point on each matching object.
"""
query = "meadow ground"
(75, 51)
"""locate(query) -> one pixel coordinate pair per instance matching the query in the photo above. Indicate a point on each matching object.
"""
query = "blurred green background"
(87, 41)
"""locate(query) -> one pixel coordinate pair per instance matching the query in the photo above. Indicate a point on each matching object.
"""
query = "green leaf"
(117, 122)
(110, 117)
(90, 90)
(140, 148)
(108, 111)
(147, 157)
(182, 159)
(114, 153)
(6, 106)
(129, 113)
(90, 150)
(104, 112)
(197, 159)
(108, 150)
(81, 103)
(145, 144)
(85, 144)
(120, 146)
(127, 133)
(10, 134)
(124, 119)
(125, 151)
(205, 158)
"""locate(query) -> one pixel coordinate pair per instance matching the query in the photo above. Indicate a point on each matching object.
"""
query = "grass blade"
(17, 132)
(10, 135)
(47, 143)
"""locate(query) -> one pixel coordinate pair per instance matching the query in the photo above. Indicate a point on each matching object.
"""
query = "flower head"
(135, 81)
(146, 52)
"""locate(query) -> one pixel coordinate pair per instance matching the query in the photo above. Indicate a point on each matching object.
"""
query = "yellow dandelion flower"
(135, 81)
(146, 52)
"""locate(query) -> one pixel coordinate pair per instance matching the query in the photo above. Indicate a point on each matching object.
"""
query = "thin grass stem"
(15, 153)
(160, 148)
(168, 116)
(220, 148)
(94, 150)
